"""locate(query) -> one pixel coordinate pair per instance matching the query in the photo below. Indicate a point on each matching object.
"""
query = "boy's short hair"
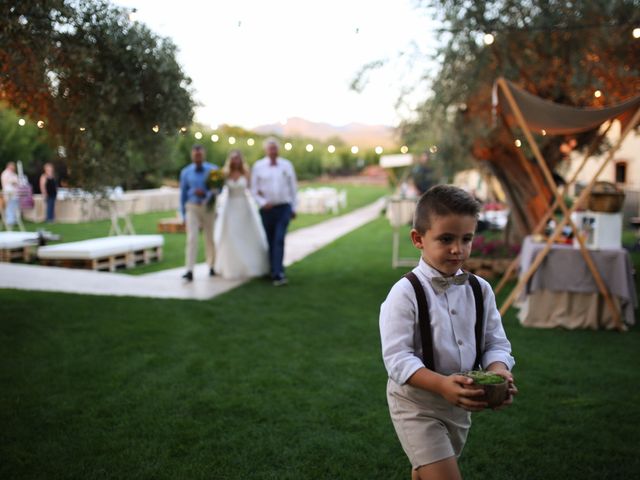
(443, 200)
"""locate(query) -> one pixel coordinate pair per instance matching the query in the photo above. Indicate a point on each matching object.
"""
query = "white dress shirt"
(274, 184)
(453, 315)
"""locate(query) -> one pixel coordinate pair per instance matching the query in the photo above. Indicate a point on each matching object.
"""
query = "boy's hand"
(501, 370)
(456, 390)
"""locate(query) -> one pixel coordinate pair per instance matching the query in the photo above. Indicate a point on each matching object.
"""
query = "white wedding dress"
(241, 243)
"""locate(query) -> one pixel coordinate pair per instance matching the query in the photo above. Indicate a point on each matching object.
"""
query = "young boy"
(429, 402)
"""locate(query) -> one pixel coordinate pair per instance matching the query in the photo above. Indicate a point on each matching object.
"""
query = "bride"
(241, 244)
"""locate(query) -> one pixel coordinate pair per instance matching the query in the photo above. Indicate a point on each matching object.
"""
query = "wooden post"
(516, 261)
(566, 212)
(524, 279)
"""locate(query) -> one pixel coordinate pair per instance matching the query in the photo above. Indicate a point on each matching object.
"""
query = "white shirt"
(9, 181)
(275, 184)
(453, 315)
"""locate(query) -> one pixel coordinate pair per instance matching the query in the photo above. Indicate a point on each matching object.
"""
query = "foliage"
(27, 143)
(308, 165)
(493, 248)
(100, 82)
(560, 50)
(108, 387)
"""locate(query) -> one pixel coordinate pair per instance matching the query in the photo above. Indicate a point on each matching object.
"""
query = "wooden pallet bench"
(171, 225)
(17, 246)
(107, 253)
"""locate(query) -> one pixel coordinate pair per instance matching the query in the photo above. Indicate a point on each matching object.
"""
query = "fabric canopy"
(555, 118)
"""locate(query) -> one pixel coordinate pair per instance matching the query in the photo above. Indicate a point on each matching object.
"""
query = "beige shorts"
(430, 429)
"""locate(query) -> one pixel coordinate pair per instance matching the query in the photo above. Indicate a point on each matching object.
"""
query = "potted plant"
(496, 387)
(490, 258)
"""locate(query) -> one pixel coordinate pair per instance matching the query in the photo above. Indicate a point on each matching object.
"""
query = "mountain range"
(362, 135)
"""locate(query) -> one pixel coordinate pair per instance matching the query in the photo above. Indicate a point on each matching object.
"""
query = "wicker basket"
(606, 197)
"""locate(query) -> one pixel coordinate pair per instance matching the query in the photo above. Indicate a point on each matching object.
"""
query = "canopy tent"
(533, 114)
(554, 118)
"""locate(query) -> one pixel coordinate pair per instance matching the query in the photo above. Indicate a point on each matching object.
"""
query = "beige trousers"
(199, 217)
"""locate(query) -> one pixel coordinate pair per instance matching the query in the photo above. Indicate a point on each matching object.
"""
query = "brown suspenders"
(424, 320)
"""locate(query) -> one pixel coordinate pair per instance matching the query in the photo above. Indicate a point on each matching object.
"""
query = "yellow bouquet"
(215, 182)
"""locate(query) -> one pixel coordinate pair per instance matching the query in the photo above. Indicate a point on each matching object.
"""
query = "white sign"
(398, 160)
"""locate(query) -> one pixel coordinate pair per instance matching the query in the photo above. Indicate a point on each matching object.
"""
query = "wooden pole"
(524, 279)
(541, 224)
(560, 200)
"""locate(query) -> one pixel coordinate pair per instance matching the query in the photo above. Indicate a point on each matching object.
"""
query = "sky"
(256, 62)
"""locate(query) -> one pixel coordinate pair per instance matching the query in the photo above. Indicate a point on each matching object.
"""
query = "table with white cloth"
(563, 292)
(321, 200)
(77, 206)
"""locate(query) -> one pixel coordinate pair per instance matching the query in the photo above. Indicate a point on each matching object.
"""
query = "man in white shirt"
(274, 186)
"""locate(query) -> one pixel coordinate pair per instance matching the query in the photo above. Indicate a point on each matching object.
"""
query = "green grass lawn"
(357, 195)
(288, 383)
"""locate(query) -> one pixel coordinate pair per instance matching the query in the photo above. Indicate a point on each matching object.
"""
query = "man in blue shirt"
(196, 205)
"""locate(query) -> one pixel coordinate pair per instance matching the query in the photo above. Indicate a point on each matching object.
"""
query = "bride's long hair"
(244, 166)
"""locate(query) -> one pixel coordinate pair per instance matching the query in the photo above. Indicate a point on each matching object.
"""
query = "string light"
(543, 132)
(215, 138)
(404, 149)
(331, 149)
(488, 39)
(597, 94)
(155, 129)
(82, 129)
(232, 140)
(288, 146)
(40, 124)
(21, 122)
(251, 142)
(309, 147)
(183, 129)
(636, 33)
(433, 148)
(355, 149)
(198, 135)
(518, 143)
(379, 150)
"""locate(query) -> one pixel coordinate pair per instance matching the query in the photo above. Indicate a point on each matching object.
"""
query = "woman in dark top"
(49, 190)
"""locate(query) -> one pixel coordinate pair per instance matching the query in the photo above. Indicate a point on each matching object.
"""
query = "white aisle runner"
(167, 283)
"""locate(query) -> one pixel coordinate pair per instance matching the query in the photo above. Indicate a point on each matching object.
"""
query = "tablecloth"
(564, 270)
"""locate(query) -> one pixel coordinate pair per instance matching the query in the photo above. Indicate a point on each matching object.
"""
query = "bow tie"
(440, 284)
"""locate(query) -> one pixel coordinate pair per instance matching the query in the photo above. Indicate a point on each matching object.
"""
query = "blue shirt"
(190, 180)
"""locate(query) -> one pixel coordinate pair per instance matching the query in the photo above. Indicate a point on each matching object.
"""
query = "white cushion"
(17, 239)
(101, 247)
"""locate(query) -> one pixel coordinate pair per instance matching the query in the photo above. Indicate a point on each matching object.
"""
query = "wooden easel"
(539, 228)
(120, 210)
(566, 212)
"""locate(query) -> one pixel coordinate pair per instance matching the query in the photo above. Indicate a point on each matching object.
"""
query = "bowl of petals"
(496, 387)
